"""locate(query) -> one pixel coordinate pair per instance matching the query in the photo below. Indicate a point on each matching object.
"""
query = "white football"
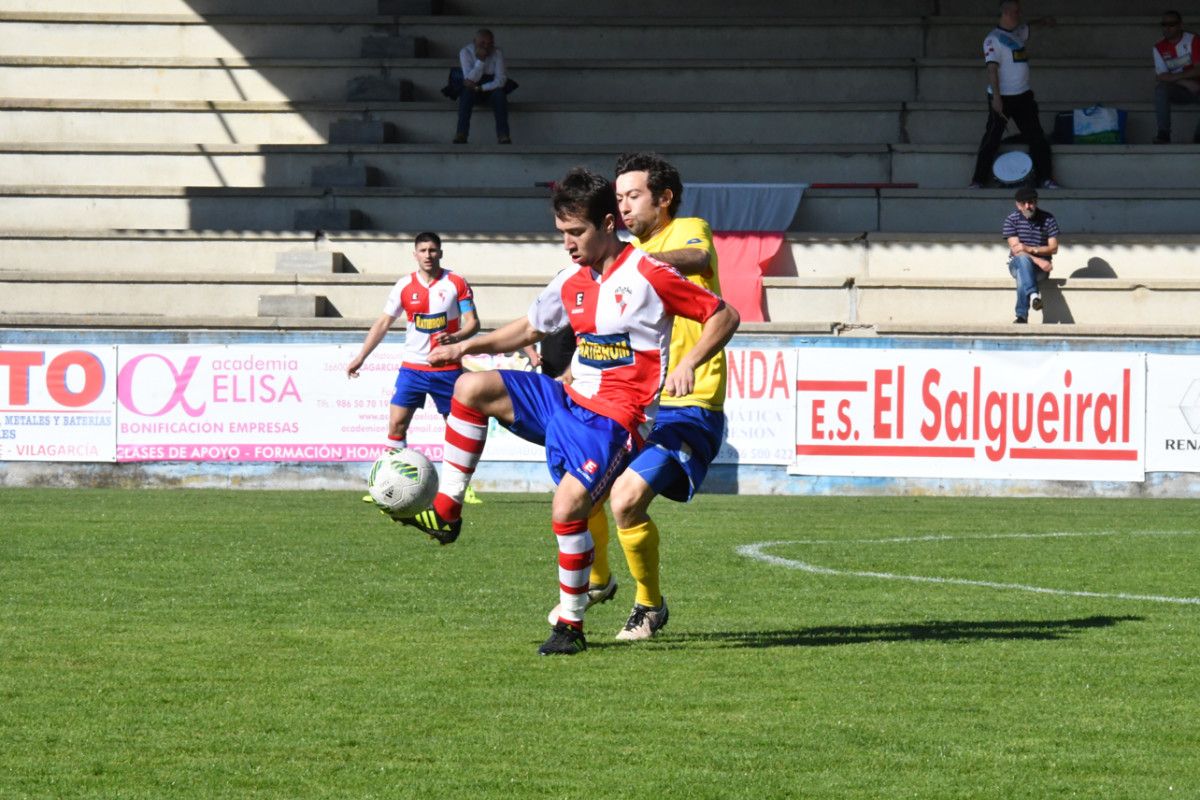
(402, 483)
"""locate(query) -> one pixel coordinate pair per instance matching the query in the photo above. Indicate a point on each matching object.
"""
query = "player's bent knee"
(472, 388)
(630, 498)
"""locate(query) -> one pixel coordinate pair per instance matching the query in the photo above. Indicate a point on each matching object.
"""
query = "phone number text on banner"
(970, 414)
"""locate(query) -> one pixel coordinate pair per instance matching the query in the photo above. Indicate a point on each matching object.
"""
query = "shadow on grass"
(950, 631)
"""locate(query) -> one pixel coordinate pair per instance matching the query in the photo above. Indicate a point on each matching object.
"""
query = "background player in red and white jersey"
(1177, 67)
(621, 303)
(438, 306)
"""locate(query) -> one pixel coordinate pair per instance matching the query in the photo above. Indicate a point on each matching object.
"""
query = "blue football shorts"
(413, 384)
(685, 440)
(589, 446)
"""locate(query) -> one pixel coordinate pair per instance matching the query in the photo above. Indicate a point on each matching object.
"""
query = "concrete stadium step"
(497, 9)
(217, 253)
(844, 301)
(273, 80)
(187, 35)
(879, 255)
(336, 36)
(1128, 257)
(441, 165)
(1067, 300)
(429, 166)
(832, 255)
(1076, 166)
(963, 123)
(1054, 80)
(709, 81)
(1084, 36)
(326, 36)
(491, 210)
(205, 7)
(485, 12)
(1061, 8)
(648, 124)
(235, 295)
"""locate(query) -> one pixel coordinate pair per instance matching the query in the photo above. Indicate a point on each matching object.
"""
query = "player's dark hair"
(428, 236)
(1004, 4)
(1173, 14)
(584, 195)
(660, 175)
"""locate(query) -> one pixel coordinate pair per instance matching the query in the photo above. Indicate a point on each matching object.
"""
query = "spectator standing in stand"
(1010, 97)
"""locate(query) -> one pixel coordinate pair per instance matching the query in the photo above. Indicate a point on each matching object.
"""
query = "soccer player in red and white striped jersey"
(621, 303)
(438, 305)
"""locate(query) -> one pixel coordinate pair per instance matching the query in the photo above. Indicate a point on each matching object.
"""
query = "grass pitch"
(296, 644)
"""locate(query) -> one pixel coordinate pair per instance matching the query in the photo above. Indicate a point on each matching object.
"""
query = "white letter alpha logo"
(182, 379)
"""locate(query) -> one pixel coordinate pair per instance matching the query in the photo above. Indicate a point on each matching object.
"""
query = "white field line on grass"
(758, 552)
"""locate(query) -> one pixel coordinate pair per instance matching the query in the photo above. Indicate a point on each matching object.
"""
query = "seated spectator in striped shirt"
(1032, 235)
(1177, 65)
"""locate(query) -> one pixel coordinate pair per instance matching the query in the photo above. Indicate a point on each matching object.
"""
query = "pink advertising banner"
(971, 414)
(290, 403)
(58, 403)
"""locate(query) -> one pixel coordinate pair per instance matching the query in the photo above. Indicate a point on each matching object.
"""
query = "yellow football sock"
(640, 544)
(598, 525)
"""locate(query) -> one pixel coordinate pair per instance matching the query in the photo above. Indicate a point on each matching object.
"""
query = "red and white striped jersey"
(622, 323)
(429, 310)
(1176, 56)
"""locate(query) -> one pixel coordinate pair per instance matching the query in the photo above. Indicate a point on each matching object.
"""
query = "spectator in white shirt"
(484, 81)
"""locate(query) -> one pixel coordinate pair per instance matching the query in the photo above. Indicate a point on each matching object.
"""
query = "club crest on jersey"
(604, 351)
(619, 295)
(430, 323)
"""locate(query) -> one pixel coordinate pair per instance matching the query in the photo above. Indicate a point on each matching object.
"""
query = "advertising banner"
(970, 414)
(288, 403)
(248, 403)
(58, 403)
(759, 407)
(1172, 413)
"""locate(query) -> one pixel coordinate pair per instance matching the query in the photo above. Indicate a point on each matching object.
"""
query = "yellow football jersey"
(709, 391)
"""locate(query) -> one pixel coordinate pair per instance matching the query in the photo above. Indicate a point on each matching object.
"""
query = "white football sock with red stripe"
(575, 553)
(396, 442)
(466, 433)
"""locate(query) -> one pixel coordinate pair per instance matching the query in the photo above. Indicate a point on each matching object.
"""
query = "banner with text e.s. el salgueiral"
(1172, 413)
(970, 414)
(58, 403)
(759, 406)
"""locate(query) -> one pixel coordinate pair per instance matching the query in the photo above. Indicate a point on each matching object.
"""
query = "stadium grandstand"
(212, 170)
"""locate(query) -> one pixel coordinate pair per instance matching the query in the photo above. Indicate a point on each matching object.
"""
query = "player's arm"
(513, 336)
(374, 337)
(688, 260)
(470, 326)
(715, 333)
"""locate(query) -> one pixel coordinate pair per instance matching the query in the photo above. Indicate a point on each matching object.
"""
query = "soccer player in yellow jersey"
(689, 428)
